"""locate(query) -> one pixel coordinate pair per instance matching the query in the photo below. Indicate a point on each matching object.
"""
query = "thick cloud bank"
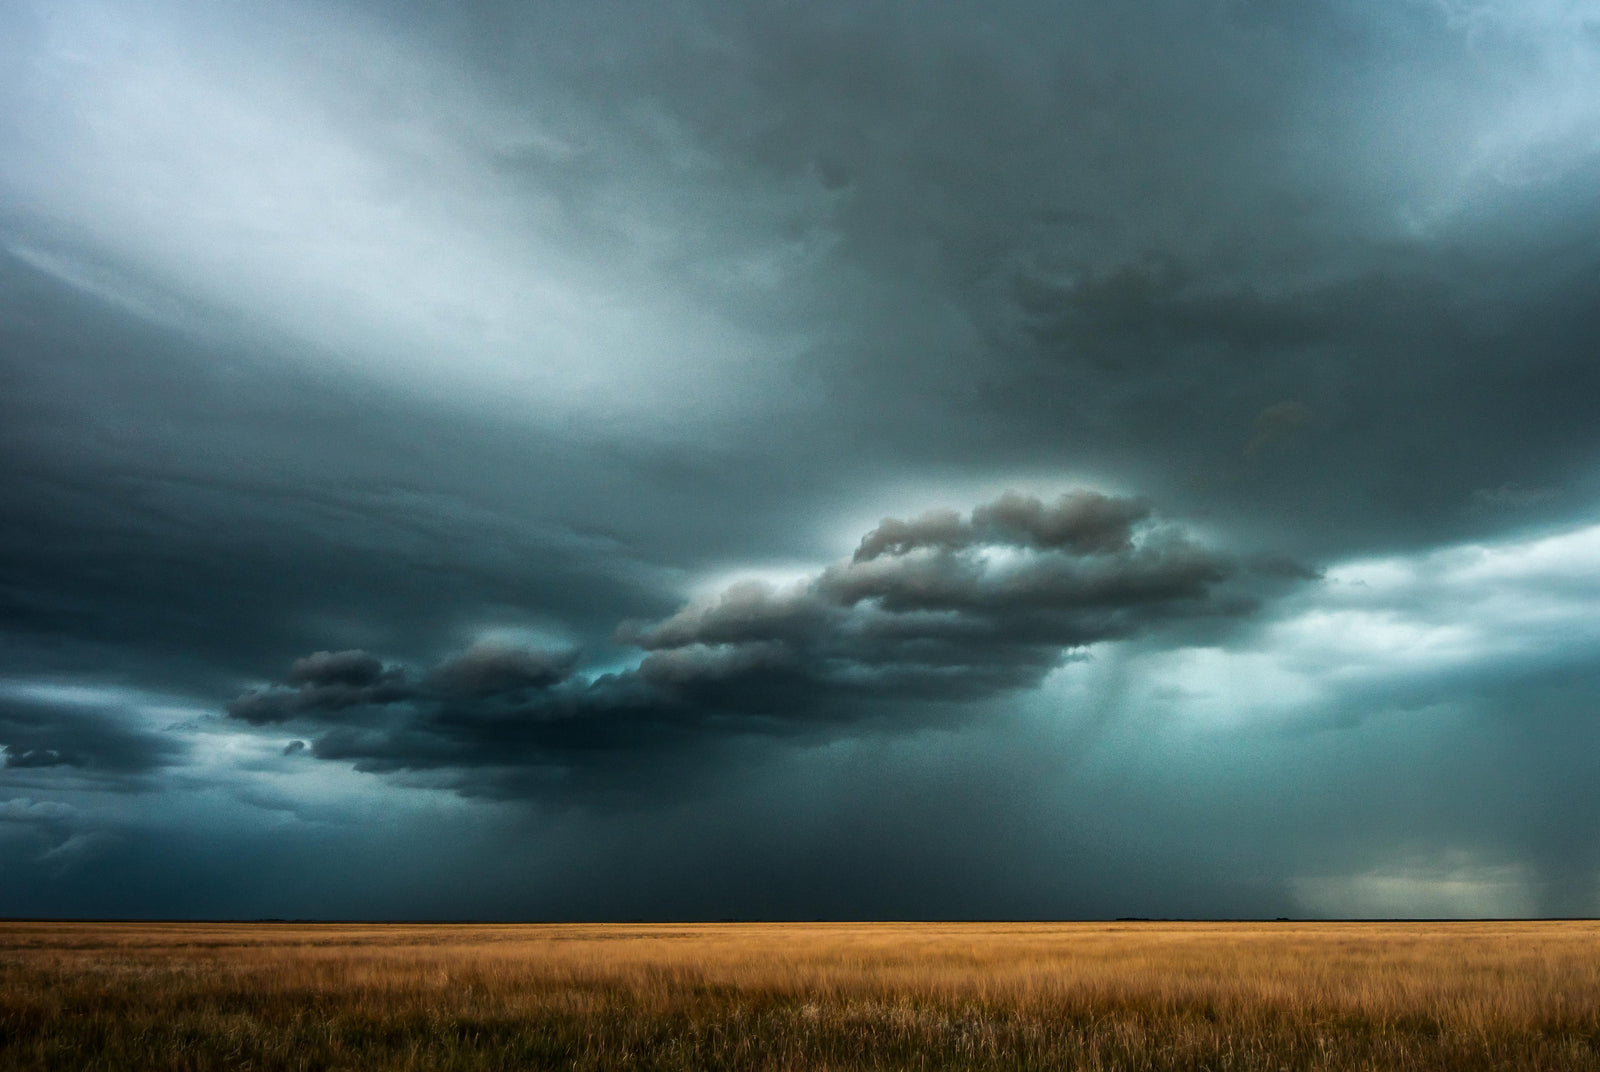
(84, 742)
(942, 609)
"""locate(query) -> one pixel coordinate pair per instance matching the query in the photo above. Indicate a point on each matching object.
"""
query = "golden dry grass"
(1453, 996)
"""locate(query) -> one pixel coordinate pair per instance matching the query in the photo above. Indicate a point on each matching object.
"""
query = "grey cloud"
(949, 609)
(434, 322)
(1284, 403)
(1277, 425)
(1135, 239)
(325, 681)
(490, 669)
(351, 669)
(43, 740)
(1165, 567)
(745, 610)
(1082, 521)
(1282, 566)
(936, 528)
(24, 810)
(1159, 301)
(160, 527)
(264, 706)
(1064, 574)
(1511, 497)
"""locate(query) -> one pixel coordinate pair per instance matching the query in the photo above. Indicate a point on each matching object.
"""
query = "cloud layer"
(364, 365)
(937, 611)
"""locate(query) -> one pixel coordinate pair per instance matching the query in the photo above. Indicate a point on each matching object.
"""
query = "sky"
(833, 460)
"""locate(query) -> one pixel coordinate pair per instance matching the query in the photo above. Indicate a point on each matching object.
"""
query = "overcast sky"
(805, 460)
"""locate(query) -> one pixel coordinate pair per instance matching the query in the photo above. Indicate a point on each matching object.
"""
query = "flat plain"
(1456, 996)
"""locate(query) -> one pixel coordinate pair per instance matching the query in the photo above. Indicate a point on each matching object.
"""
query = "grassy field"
(1454, 996)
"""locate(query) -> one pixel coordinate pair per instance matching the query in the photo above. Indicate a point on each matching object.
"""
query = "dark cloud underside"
(942, 610)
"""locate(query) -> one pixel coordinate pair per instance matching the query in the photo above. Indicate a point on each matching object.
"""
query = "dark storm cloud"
(1291, 407)
(1083, 521)
(179, 507)
(938, 611)
(380, 331)
(71, 740)
(489, 669)
(1241, 255)
(327, 682)
(335, 669)
(1131, 235)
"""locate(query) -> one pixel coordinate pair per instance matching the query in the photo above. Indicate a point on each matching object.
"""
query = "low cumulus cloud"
(946, 608)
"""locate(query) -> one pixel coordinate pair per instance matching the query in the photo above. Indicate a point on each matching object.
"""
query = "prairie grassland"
(1455, 996)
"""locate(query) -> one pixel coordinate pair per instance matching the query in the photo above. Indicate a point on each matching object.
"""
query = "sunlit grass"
(816, 996)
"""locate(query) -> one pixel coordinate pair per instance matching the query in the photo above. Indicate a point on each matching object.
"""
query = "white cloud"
(1389, 627)
(339, 188)
(1447, 886)
(1523, 110)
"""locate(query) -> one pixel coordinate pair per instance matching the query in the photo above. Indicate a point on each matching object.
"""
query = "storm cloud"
(938, 611)
(80, 740)
(825, 459)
